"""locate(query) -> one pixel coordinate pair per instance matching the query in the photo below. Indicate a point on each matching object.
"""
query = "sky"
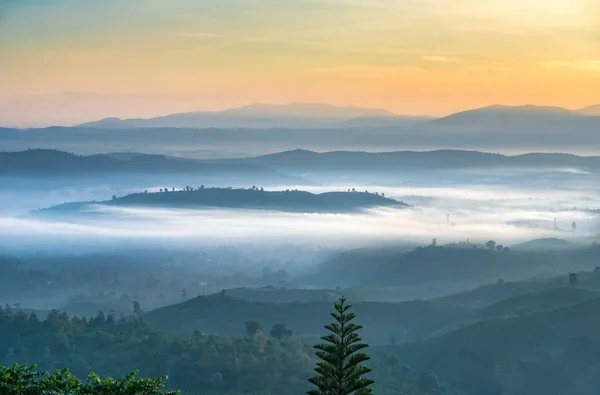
(69, 61)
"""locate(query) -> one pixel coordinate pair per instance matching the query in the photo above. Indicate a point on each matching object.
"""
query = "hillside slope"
(224, 315)
(553, 353)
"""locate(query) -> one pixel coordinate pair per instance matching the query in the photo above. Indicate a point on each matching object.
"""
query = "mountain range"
(259, 129)
(323, 115)
(264, 116)
(47, 163)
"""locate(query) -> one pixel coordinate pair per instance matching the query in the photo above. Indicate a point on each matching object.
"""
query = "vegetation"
(24, 380)
(340, 370)
(550, 353)
(539, 302)
(220, 313)
(389, 266)
(113, 348)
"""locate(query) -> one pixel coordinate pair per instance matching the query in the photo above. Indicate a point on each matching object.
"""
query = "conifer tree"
(340, 370)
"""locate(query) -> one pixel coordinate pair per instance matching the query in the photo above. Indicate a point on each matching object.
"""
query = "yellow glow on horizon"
(410, 56)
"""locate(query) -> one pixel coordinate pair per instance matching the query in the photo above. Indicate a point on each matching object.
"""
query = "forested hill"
(253, 198)
(299, 161)
(548, 353)
(45, 162)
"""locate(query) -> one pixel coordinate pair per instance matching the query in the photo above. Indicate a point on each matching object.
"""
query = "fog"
(506, 214)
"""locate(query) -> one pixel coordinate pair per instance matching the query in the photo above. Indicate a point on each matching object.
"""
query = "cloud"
(589, 65)
(364, 72)
(201, 35)
(439, 59)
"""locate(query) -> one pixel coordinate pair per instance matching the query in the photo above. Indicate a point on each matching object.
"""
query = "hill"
(489, 294)
(547, 244)
(324, 134)
(308, 110)
(591, 110)
(387, 266)
(304, 161)
(539, 302)
(529, 118)
(291, 201)
(36, 162)
(225, 315)
(552, 353)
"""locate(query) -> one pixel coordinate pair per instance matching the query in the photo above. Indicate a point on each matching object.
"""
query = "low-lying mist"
(503, 214)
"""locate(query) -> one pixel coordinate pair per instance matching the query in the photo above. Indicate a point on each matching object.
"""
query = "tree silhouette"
(252, 327)
(280, 332)
(340, 368)
(136, 307)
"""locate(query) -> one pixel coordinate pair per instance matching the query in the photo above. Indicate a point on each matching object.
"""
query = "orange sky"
(68, 61)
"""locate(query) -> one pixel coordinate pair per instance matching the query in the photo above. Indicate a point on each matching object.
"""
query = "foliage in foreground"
(340, 369)
(24, 380)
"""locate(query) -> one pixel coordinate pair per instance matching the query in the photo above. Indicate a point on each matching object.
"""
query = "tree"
(499, 248)
(340, 370)
(573, 279)
(433, 242)
(491, 245)
(281, 332)
(252, 327)
(184, 294)
(573, 226)
(136, 307)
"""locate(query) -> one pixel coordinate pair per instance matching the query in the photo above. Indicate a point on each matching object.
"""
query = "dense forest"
(199, 363)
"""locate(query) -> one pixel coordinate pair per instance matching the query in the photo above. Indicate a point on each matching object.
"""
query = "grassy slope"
(222, 314)
(537, 302)
(551, 353)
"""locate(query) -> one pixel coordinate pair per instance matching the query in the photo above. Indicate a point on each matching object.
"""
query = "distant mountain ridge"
(527, 118)
(264, 116)
(53, 164)
(591, 110)
(299, 161)
(294, 162)
(259, 129)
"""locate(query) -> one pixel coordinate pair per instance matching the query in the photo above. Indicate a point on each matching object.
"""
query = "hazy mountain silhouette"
(591, 110)
(301, 161)
(311, 110)
(528, 118)
(260, 129)
(263, 116)
(53, 163)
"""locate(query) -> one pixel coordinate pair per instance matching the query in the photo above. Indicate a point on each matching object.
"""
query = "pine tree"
(340, 370)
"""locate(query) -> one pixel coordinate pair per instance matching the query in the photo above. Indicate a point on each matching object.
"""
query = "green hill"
(224, 315)
(389, 266)
(486, 295)
(551, 353)
(540, 301)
